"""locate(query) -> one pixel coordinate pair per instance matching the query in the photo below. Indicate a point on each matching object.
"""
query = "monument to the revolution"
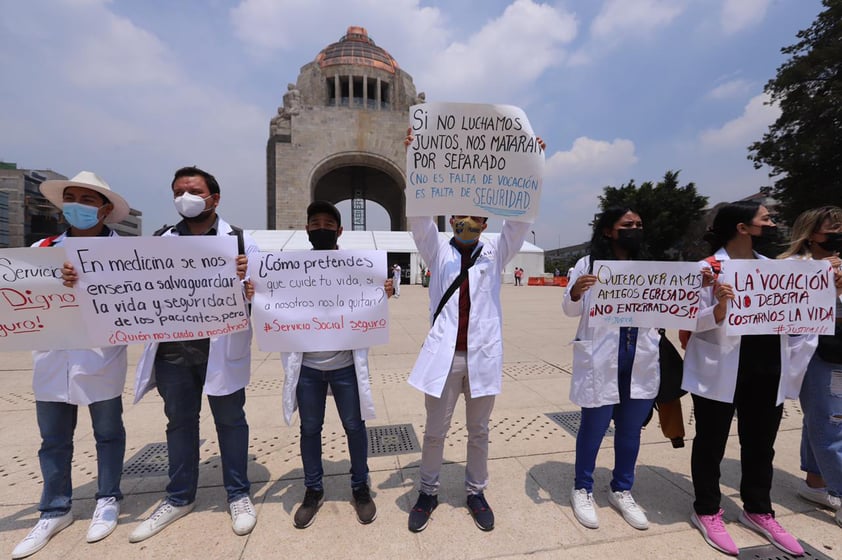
(338, 135)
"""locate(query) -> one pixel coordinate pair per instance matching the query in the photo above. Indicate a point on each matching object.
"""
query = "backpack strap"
(162, 231)
(49, 241)
(241, 242)
(455, 284)
(715, 265)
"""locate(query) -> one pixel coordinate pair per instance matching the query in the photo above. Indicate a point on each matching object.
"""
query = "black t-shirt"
(760, 352)
(188, 352)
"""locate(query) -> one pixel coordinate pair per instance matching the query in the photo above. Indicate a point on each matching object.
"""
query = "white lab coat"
(229, 358)
(712, 357)
(595, 353)
(292, 369)
(485, 339)
(79, 377)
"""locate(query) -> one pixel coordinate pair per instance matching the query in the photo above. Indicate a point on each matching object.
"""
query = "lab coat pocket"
(238, 345)
(582, 355)
(702, 361)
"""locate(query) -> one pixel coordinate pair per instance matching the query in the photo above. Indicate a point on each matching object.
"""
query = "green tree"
(803, 148)
(667, 211)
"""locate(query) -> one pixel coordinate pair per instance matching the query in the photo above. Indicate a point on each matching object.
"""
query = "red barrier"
(541, 281)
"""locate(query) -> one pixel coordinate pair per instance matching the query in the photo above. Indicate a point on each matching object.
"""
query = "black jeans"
(758, 419)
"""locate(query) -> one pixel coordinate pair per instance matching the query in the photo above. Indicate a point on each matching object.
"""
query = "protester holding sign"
(817, 234)
(750, 374)
(463, 352)
(64, 379)
(309, 376)
(220, 366)
(615, 375)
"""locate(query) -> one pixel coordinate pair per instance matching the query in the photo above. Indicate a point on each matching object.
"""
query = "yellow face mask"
(467, 229)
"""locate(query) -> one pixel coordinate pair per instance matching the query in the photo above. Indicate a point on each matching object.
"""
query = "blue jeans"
(57, 422)
(311, 394)
(629, 416)
(821, 433)
(181, 389)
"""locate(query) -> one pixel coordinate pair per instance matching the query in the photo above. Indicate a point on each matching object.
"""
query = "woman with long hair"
(615, 375)
(750, 374)
(817, 234)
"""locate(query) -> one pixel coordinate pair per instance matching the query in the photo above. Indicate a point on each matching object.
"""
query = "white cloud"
(634, 17)
(592, 158)
(505, 56)
(748, 127)
(498, 60)
(268, 25)
(731, 89)
(739, 14)
(573, 180)
(111, 51)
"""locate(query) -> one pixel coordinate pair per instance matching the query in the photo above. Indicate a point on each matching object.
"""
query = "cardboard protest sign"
(790, 296)
(307, 301)
(158, 289)
(473, 160)
(656, 294)
(36, 311)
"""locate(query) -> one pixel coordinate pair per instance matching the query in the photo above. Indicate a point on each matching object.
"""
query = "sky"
(618, 89)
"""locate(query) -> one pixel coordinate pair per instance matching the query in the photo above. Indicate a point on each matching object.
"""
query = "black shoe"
(313, 500)
(420, 514)
(481, 511)
(366, 510)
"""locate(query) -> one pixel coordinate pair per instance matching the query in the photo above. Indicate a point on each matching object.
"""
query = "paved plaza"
(531, 467)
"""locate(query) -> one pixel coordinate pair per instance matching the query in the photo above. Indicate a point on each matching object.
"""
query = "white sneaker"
(104, 520)
(243, 515)
(41, 534)
(818, 496)
(163, 515)
(583, 508)
(626, 505)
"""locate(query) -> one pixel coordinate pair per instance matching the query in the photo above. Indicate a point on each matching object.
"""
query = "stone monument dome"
(356, 47)
(339, 135)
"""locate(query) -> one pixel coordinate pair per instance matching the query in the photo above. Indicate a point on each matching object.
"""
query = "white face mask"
(190, 205)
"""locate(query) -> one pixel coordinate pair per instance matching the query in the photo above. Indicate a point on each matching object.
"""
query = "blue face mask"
(80, 216)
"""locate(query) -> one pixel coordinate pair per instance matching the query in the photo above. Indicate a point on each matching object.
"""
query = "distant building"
(132, 226)
(26, 216)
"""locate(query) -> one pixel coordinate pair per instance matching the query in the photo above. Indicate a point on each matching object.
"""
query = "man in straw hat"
(65, 379)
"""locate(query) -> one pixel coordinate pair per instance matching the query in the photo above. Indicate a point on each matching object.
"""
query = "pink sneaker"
(766, 525)
(713, 530)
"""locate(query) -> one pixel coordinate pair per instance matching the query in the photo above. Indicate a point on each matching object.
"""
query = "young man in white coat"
(219, 366)
(463, 352)
(65, 379)
(307, 378)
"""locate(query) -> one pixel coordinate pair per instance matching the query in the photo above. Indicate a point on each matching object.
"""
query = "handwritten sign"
(36, 311)
(307, 301)
(780, 297)
(473, 160)
(157, 289)
(645, 294)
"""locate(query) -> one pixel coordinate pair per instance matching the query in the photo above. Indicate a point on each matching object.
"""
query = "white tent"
(396, 243)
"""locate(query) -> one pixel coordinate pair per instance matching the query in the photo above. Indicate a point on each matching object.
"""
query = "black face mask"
(833, 243)
(630, 239)
(768, 238)
(323, 239)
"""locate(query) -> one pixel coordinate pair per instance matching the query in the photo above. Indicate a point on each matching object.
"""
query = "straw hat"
(54, 192)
